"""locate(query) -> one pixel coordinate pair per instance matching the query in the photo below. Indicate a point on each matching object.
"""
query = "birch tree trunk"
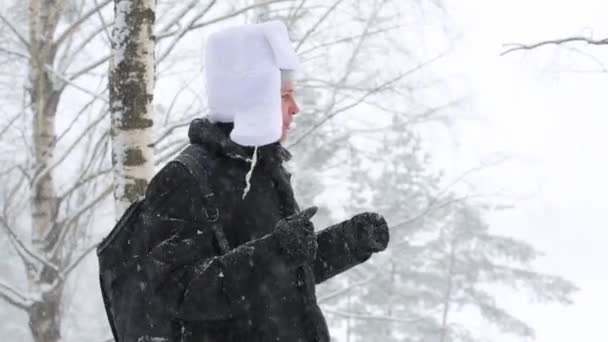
(131, 93)
(44, 314)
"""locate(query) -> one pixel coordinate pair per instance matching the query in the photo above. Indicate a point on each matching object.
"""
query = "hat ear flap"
(259, 122)
(278, 38)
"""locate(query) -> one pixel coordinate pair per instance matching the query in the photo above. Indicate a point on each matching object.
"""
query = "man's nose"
(295, 109)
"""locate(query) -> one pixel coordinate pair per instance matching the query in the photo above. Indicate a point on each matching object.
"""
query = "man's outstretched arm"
(349, 243)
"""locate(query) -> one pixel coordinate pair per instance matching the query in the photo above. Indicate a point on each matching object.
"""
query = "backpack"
(119, 252)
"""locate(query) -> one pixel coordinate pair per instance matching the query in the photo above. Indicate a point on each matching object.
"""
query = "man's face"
(289, 106)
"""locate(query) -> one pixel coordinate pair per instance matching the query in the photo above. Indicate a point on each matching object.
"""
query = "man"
(236, 260)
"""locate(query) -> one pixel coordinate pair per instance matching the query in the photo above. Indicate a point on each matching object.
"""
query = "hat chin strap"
(254, 161)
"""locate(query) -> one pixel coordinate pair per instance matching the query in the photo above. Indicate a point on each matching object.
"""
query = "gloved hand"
(370, 231)
(296, 237)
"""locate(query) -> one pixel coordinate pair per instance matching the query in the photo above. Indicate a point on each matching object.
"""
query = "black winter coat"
(193, 292)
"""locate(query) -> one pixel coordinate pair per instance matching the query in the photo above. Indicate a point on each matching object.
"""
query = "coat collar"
(217, 137)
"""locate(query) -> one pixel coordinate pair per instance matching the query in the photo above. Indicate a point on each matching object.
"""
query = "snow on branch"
(15, 297)
(30, 256)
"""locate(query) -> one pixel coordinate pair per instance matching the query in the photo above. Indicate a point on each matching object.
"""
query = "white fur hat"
(243, 71)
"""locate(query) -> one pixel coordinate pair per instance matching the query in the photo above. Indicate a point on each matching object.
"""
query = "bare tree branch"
(348, 39)
(69, 81)
(517, 47)
(82, 45)
(49, 168)
(24, 248)
(340, 292)
(222, 18)
(69, 222)
(347, 72)
(15, 53)
(99, 153)
(15, 31)
(174, 100)
(170, 129)
(316, 25)
(80, 21)
(179, 16)
(14, 297)
(362, 98)
(595, 59)
(84, 181)
(9, 124)
(78, 260)
(163, 158)
(163, 35)
(293, 13)
(429, 209)
(366, 316)
(89, 67)
(182, 32)
(104, 25)
(79, 115)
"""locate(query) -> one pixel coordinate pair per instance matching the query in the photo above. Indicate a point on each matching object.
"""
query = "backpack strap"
(191, 159)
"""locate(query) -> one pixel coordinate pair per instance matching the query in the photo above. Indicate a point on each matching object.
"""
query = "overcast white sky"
(548, 111)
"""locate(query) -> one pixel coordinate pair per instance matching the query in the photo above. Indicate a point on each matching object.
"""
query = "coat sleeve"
(338, 250)
(182, 265)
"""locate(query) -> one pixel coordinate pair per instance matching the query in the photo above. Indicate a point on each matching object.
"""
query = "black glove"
(296, 237)
(370, 231)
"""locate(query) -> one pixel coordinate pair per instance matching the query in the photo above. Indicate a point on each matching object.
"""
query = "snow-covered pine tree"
(474, 263)
(443, 258)
(392, 307)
